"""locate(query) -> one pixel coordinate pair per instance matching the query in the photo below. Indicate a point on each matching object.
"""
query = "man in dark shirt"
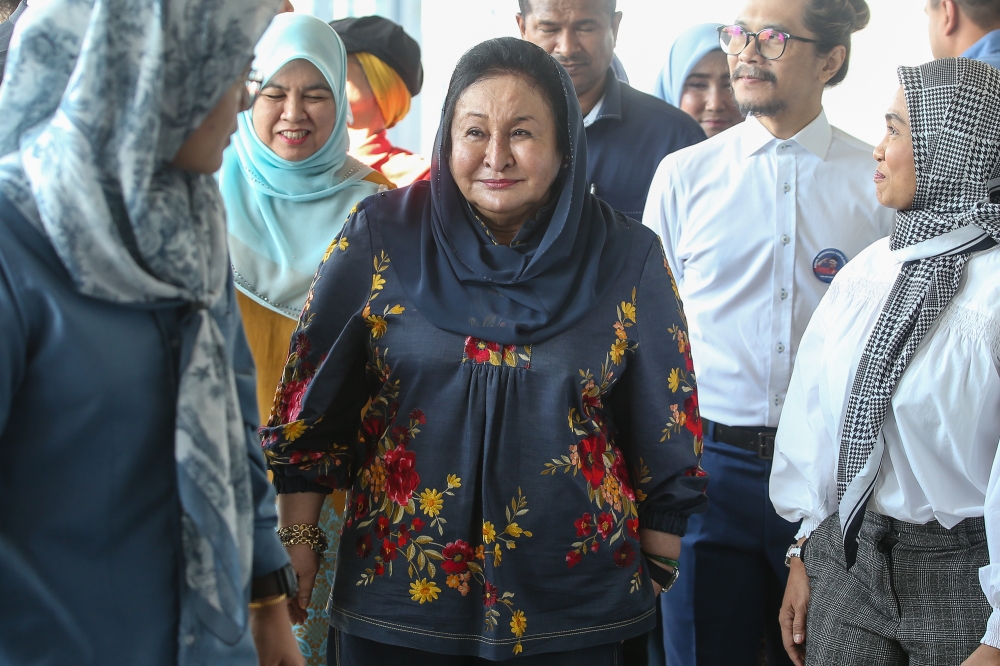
(628, 132)
(6, 30)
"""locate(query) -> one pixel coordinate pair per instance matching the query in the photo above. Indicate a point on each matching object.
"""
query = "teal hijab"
(282, 215)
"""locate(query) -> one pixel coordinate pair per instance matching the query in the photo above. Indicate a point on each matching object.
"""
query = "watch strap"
(282, 581)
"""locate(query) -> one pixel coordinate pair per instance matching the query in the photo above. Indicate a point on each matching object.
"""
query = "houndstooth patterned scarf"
(954, 107)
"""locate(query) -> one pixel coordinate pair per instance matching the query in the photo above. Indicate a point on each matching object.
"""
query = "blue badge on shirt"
(828, 263)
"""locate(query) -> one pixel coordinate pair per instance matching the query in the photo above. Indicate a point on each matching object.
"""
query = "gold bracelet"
(311, 535)
(270, 602)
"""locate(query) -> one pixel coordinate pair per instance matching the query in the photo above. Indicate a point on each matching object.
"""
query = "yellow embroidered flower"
(431, 502)
(424, 590)
(377, 325)
(481, 552)
(377, 477)
(682, 343)
(497, 556)
(674, 380)
(518, 623)
(377, 282)
(454, 481)
(342, 245)
(453, 581)
(628, 310)
(514, 530)
(292, 431)
(517, 648)
(489, 532)
(618, 350)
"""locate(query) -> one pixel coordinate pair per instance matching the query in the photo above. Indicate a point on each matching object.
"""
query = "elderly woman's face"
(295, 113)
(896, 175)
(708, 96)
(504, 151)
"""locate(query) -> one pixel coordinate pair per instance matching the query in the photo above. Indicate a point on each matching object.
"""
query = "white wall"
(897, 35)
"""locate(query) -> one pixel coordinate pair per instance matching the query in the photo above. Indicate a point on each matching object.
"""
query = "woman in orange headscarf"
(383, 74)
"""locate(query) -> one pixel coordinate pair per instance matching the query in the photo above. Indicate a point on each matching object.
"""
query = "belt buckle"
(765, 446)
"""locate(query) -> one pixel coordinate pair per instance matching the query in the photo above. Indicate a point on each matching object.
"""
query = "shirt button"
(783, 146)
(784, 294)
(780, 348)
(785, 240)
(787, 188)
(189, 639)
(777, 400)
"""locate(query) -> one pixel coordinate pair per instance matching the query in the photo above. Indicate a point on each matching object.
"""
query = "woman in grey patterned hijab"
(115, 114)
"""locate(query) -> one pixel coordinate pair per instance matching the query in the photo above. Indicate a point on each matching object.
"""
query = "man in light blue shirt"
(966, 28)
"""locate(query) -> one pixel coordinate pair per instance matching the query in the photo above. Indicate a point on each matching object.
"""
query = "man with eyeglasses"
(755, 223)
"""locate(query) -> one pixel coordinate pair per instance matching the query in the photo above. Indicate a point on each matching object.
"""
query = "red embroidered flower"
(456, 557)
(360, 506)
(592, 459)
(418, 416)
(594, 546)
(401, 477)
(696, 471)
(620, 472)
(573, 558)
(605, 523)
(625, 555)
(632, 525)
(584, 525)
(302, 345)
(388, 551)
(382, 527)
(291, 399)
(379, 569)
(364, 546)
(417, 525)
(372, 427)
(489, 594)
(401, 435)
(693, 422)
(300, 457)
(404, 536)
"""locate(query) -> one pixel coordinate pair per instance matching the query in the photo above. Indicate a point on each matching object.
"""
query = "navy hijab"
(553, 273)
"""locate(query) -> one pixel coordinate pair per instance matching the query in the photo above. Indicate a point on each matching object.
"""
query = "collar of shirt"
(610, 106)
(814, 137)
(988, 46)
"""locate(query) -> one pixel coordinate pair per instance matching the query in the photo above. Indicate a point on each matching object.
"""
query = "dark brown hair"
(525, 6)
(984, 13)
(833, 22)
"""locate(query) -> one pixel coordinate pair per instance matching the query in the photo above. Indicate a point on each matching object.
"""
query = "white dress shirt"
(743, 217)
(942, 427)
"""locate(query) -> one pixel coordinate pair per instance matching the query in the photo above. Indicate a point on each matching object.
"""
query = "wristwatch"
(795, 550)
(283, 581)
(665, 579)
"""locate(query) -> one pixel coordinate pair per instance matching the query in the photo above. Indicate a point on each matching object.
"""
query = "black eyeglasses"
(770, 43)
(255, 81)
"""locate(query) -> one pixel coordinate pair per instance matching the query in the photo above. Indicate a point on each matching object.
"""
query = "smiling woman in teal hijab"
(288, 183)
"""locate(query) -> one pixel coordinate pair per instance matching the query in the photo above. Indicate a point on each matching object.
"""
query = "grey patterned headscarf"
(954, 107)
(99, 95)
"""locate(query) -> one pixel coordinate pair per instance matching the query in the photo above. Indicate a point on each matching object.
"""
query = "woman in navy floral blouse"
(496, 365)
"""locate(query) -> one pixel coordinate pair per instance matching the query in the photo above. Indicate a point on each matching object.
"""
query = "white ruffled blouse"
(942, 428)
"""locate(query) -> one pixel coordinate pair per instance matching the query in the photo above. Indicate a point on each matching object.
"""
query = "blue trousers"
(733, 570)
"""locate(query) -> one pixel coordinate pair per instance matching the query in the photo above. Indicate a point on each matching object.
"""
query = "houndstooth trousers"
(913, 597)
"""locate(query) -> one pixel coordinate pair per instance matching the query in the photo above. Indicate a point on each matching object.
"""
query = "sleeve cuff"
(268, 553)
(286, 485)
(661, 521)
(992, 637)
(808, 526)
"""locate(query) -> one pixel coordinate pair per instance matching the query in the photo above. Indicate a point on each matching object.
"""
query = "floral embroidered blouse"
(496, 492)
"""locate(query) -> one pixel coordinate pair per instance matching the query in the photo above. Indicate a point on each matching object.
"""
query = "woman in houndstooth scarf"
(887, 446)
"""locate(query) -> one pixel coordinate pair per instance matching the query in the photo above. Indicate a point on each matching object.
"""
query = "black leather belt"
(757, 440)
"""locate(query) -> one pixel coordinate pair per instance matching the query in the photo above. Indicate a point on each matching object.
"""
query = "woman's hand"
(794, 607)
(301, 509)
(305, 561)
(983, 656)
(273, 638)
(662, 544)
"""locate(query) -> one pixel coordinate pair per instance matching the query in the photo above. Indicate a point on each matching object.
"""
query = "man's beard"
(758, 109)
